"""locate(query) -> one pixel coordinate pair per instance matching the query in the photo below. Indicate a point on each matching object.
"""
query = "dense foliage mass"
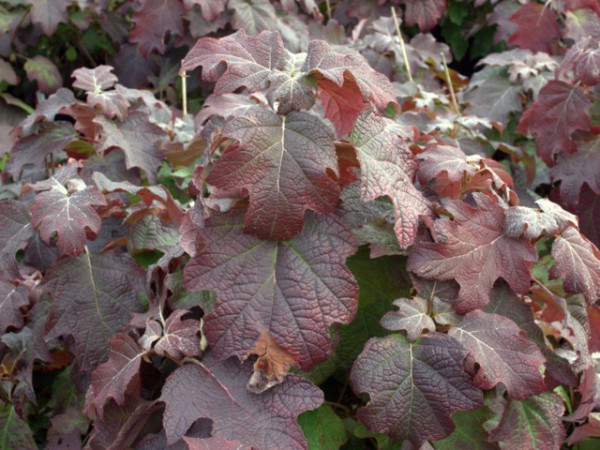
(233, 224)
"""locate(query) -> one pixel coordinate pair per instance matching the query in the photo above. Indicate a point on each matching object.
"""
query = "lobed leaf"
(294, 289)
(261, 421)
(413, 387)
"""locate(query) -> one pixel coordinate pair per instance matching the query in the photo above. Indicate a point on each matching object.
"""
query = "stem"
(184, 91)
(339, 406)
(328, 9)
(402, 47)
(449, 83)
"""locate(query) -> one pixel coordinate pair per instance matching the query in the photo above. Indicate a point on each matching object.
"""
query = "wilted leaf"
(271, 366)
(286, 288)
(282, 164)
(577, 263)
(413, 387)
(92, 298)
(388, 168)
(471, 248)
(262, 421)
(503, 354)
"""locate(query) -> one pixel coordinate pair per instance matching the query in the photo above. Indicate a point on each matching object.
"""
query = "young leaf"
(388, 168)
(262, 421)
(411, 316)
(414, 387)
(95, 82)
(472, 249)
(180, 337)
(503, 354)
(294, 290)
(118, 376)
(282, 163)
(93, 297)
(68, 212)
(533, 424)
(577, 263)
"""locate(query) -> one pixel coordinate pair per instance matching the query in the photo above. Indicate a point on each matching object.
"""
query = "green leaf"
(384, 442)
(14, 432)
(323, 428)
(457, 12)
(469, 432)
(453, 35)
(381, 281)
(42, 70)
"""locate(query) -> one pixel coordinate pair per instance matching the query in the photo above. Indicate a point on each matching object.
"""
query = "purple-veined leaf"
(503, 354)
(48, 109)
(93, 297)
(49, 13)
(252, 17)
(388, 168)
(294, 289)
(212, 443)
(282, 163)
(15, 230)
(424, 13)
(96, 81)
(413, 387)
(180, 337)
(11, 299)
(261, 421)
(472, 249)
(537, 26)
(530, 223)
(494, 99)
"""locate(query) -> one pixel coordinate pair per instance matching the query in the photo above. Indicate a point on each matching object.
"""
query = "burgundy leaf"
(210, 8)
(494, 99)
(294, 290)
(48, 109)
(15, 229)
(533, 424)
(425, 13)
(388, 168)
(252, 17)
(413, 387)
(11, 299)
(537, 27)
(341, 105)
(219, 393)
(559, 110)
(326, 64)
(589, 429)
(51, 138)
(584, 59)
(117, 376)
(68, 212)
(472, 249)
(503, 354)
(531, 223)
(577, 169)
(577, 263)
(92, 298)
(154, 21)
(411, 316)
(282, 164)
(139, 139)
(180, 337)
(49, 13)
